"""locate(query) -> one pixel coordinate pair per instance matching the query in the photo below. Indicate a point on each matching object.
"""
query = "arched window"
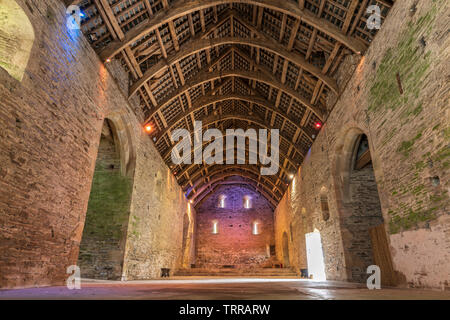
(362, 153)
(247, 202)
(324, 207)
(221, 203)
(16, 39)
(215, 227)
(256, 228)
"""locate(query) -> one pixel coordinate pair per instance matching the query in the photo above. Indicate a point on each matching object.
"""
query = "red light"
(318, 125)
(148, 128)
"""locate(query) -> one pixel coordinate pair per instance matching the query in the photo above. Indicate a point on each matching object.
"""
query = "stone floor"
(222, 288)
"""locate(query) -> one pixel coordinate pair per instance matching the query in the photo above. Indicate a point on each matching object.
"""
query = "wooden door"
(382, 255)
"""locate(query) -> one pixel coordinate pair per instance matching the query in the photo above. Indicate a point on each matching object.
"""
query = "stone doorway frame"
(342, 165)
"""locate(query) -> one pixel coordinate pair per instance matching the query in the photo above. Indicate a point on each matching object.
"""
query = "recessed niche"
(435, 181)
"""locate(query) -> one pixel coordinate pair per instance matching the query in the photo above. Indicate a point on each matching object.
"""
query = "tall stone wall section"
(409, 137)
(50, 125)
(234, 244)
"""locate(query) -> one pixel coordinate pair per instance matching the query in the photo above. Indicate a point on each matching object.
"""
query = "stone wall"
(50, 126)
(363, 212)
(105, 229)
(409, 143)
(234, 244)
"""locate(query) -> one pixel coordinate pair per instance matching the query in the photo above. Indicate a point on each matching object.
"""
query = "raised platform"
(237, 272)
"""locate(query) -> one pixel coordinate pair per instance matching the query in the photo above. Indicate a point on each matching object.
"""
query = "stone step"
(266, 272)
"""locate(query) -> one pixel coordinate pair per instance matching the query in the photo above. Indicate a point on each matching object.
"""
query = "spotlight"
(318, 125)
(82, 15)
(108, 60)
(148, 128)
(191, 201)
(291, 176)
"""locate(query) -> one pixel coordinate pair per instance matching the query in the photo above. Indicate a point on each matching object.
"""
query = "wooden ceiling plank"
(202, 44)
(182, 7)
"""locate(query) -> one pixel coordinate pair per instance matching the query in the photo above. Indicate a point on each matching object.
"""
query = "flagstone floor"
(206, 288)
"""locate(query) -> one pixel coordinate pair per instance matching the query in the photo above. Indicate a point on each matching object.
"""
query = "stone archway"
(102, 247)
(363, 232)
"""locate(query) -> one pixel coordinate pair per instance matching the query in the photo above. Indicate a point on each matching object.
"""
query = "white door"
(314, 255)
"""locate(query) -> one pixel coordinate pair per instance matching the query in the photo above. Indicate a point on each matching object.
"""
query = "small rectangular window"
(255, 228)
(247, 202)
(221, 203)
(215, 229)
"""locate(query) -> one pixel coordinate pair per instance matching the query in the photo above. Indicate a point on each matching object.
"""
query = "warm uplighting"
(221, 203)
(148, 128)
(247, 202)
(215, 229)
(255, 228)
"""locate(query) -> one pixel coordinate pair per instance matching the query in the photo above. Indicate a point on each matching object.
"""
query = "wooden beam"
(253, 169)
(260, 77)
(166, 155)
(250, 119)
(183, 7)
(221, 180)
(210, 99)
(203, 44)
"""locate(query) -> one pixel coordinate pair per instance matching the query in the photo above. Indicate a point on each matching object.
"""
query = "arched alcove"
(247, 202)
(285, 241)
(324, 207)
(257, 227)
(102, 246)
(185, 240)
(16, 38)
(364, 237)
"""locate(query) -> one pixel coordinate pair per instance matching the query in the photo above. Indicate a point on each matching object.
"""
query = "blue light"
(82, 15)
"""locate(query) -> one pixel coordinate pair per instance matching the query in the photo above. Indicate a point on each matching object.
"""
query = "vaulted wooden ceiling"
(231, 64)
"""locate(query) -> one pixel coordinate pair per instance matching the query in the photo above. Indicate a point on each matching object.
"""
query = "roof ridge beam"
(213, 119)
(209, 99)
(260, 77)
(199, 45)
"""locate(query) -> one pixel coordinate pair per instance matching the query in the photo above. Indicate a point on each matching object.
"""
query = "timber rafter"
(212, 60)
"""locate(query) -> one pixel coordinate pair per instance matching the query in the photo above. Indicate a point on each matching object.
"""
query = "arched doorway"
(16, 38)
(102, 246)
(314, 253)
(286, 260)
(362, 224)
